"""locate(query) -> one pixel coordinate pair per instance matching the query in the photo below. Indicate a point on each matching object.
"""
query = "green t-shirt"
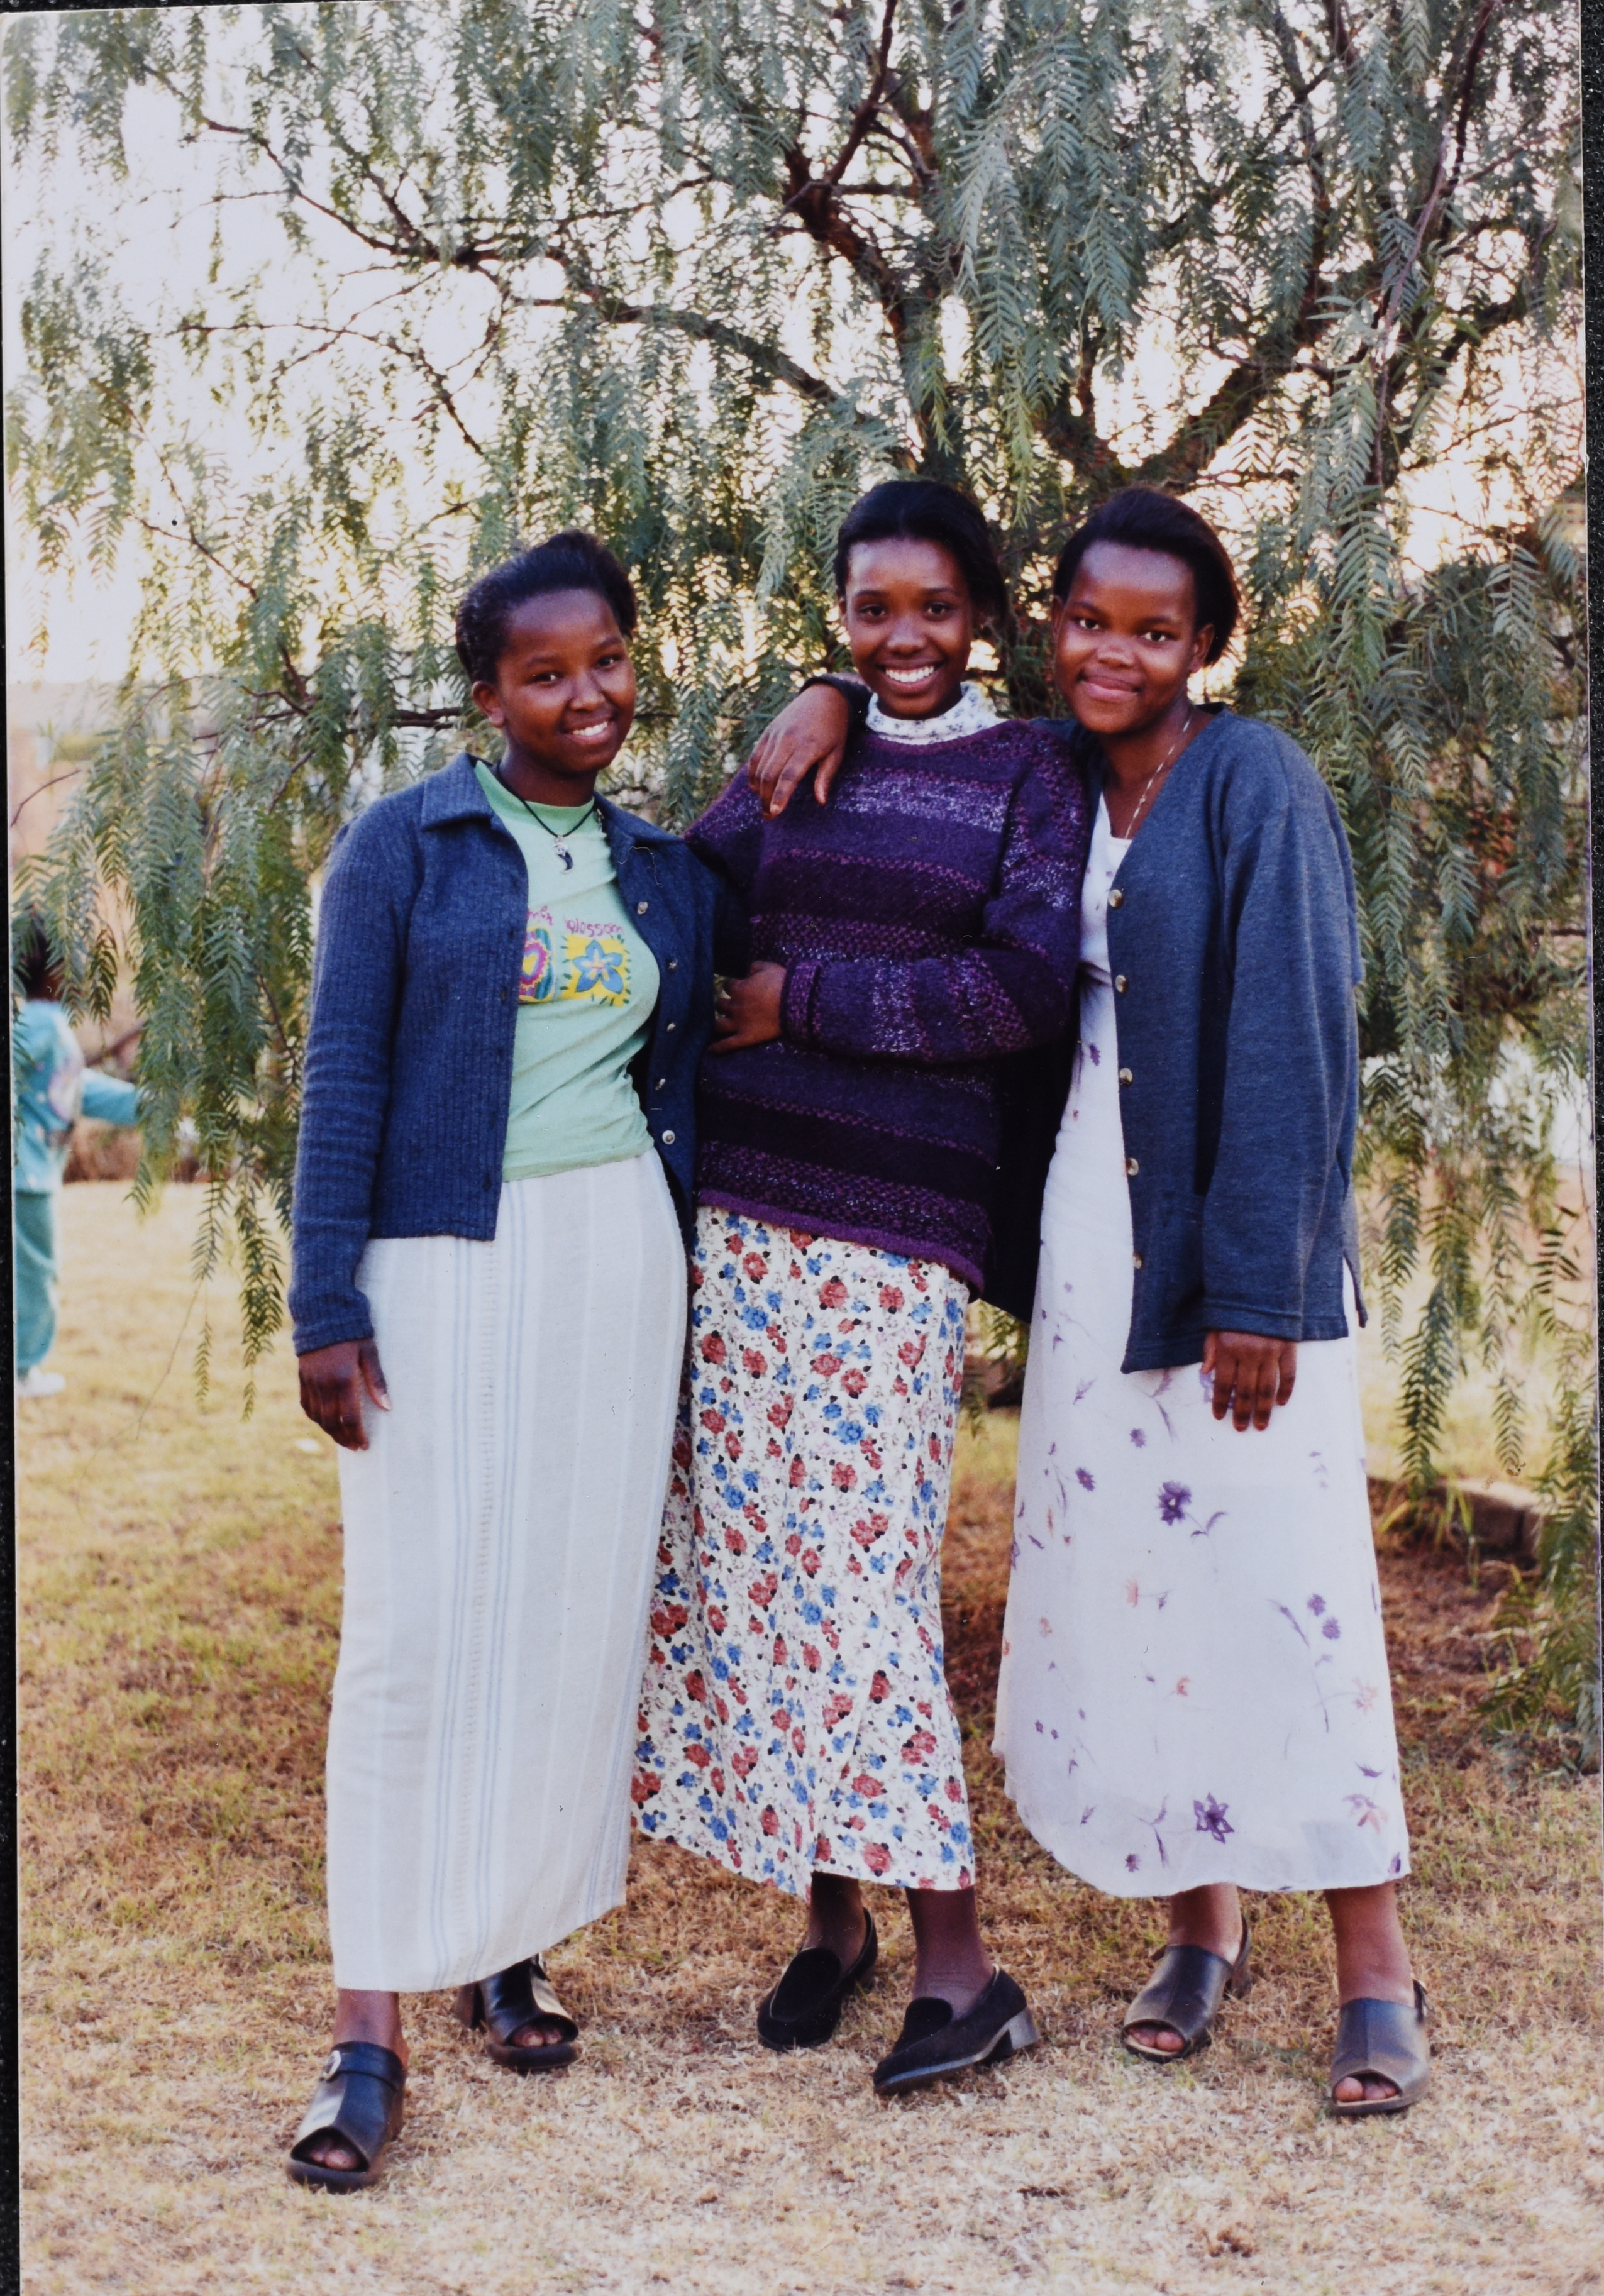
(586, 995)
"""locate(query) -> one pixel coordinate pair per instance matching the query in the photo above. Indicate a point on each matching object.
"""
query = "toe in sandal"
(804, 2008)
(1185, 1992)
(505, 2003)
(358, 2101)
(1390, 2042)
(934, 2044)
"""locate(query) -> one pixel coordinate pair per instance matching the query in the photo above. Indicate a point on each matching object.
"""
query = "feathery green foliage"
(694, 273)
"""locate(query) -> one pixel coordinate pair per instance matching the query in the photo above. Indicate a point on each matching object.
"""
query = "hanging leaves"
(693, 275)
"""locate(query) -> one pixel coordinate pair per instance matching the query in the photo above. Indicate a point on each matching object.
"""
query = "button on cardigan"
(1235, 946)
(409, 1055)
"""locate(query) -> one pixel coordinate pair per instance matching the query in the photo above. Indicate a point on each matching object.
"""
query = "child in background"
(52, 1090)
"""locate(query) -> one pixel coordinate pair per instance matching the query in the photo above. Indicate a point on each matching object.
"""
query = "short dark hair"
(572, 559)
(34, 967)
(925, 509)
(1146, 518)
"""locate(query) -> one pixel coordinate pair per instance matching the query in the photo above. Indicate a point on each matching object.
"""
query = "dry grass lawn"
(180, 1590)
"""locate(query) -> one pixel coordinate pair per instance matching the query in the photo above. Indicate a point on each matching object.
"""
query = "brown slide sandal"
(503, 2005)
(359, 2102)
(1388, 2041)
(1185, 1994)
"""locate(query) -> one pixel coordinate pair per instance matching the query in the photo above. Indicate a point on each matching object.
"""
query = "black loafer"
(804, 2008)
(935, 2044)
(358, 2101)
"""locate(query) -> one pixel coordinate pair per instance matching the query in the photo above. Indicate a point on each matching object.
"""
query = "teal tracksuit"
(53, 1089)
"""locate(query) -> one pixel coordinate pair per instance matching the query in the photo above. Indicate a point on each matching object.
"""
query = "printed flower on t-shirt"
(537, 981)
(596, 964)
(573, 962)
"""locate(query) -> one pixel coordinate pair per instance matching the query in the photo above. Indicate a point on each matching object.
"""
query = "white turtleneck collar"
(971, 713)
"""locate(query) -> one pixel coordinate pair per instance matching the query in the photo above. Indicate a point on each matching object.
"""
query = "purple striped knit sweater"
(929, 920)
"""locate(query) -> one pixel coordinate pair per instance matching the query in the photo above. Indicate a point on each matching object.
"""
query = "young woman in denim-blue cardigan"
(514, 987)
(1194, 1692)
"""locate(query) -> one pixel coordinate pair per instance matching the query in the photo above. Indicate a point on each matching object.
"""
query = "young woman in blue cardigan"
(514, 986)
(1194, 1695)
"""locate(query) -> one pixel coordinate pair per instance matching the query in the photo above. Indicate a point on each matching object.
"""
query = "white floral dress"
(1195, 1681)
(794, 1712)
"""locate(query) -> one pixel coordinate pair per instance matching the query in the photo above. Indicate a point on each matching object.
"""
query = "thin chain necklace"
(558, 837)
(1163, 767)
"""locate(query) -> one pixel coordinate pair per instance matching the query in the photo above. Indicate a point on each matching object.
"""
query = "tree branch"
(863, 117)
(1271, 357)
(817, 207)
(331, 332)
(767, 356)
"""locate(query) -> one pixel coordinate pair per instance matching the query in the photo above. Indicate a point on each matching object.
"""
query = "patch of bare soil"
(181, 1585)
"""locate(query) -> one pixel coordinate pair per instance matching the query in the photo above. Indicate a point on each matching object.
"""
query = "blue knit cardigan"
(414, 1007)
(1233, 941)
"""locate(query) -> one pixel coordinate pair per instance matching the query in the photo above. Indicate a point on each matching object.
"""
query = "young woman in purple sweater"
(903, 946)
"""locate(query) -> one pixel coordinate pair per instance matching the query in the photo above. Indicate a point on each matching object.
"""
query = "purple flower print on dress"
(1318, 1606)
(1174, 1499)
(1211, 1818)
(1085, 1480)
(1152, 1824)
(1138, 1439)
(1155, 1396)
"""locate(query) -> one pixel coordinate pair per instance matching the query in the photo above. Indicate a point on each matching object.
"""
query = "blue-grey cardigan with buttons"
(409, 1055)
(1233, 941)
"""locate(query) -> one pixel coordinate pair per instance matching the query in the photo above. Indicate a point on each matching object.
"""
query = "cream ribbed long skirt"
(500, 1535)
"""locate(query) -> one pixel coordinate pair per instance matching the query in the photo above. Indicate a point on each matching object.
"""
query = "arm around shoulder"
(1012, 988)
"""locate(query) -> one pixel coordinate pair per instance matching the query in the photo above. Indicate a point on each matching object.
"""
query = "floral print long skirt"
(794, 1712)
(1195, 1681)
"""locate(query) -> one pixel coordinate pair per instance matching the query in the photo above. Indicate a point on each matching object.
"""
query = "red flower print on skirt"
(844, 1365)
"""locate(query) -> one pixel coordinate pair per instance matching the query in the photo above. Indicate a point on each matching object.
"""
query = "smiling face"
(1126, 639)
(563, 694)
(909, 622)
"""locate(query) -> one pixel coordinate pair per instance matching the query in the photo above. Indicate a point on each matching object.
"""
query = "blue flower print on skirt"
(794, 1712)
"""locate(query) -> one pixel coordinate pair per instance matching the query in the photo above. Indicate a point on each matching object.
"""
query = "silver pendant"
(563, 854)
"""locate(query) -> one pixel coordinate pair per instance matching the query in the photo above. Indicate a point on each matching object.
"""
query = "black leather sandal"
(358, 2101)
(804, 2008)
(1185, 1992)
(1388, 2041)
(934, 2044)
(505, 2003)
